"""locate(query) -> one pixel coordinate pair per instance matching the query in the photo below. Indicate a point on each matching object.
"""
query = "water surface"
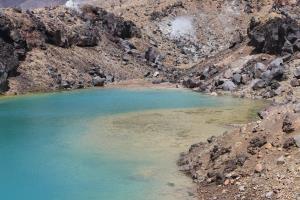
(111, 144)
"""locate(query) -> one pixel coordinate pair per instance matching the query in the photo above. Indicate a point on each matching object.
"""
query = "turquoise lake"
(107, 144)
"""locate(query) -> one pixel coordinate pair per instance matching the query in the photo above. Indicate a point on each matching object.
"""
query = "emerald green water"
(112, 144)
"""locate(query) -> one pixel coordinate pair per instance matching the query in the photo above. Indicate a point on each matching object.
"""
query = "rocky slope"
(29, 4)
(238, 47)
(60, 48)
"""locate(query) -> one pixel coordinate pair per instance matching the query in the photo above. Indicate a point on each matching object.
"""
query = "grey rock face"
(297, 73)
(257, 84)
(98, 81)
(228, 86)
(237, 79)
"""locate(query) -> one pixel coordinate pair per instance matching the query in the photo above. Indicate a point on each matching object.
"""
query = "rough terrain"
(246, 48)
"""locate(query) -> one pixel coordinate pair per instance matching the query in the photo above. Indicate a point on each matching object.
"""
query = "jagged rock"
(87, 38)
(245, 79)
(270, 37)
(190, 83)
(297, 73)
(157, 15)
(297, 140)
(295, 82)
(280, 160)
(277, 63)
(258, 84)
(287, 48)
(287, 125)
(297, 45)
(127, 46)
(257, 142)
(228, 86)
(65, 84)
(9, 55)
(297, 108)
(157, 81)
(268, 94)
(152, 55)
(109, 78)
(290, 142)
(208, 72)
(237, 79)
(233, 164)
(259, 69)
(228, 74)
(218, 151)
(116, 26)
(96, 71)
(236, 39)
(98, 81)
(57, 36)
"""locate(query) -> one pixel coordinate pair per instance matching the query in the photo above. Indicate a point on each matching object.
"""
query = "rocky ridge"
(254, 54)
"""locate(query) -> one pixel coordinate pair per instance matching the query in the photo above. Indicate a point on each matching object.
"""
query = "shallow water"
(107, 144)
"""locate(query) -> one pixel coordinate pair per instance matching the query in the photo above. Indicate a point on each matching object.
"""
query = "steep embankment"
(60, 48)
(63, 48)
(259, 160)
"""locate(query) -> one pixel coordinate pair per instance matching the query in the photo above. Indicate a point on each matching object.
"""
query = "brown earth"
(244, 48)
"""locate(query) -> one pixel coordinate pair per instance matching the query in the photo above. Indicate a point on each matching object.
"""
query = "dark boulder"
(257, 142)
(57, 36)
(218, 151)
(112, 24)
(190, 83)
(65, 84)
(276, 36)
(152, 55)
(98, 81)
(13, 49)
(287, 125)
(208, 72)
(295, 82)
(87, 37)
(297, 45)
(290, 142)
(258, 84)
(237, 78)
(109, 78)
(259, 69)
(297, 73)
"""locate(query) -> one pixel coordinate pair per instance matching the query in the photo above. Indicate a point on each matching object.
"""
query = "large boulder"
(114, 25)
(97, 81)
(190, 83)
(228, 86)
(297, 73)
(12, 49)
(277, 36)
(237, 78)
(152, 55)
(87, 37)
(297, 140)
(258, 84)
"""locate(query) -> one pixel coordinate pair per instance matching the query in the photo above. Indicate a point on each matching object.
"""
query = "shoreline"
(144, 84)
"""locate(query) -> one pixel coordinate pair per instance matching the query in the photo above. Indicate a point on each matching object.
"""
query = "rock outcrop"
(50, 30)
